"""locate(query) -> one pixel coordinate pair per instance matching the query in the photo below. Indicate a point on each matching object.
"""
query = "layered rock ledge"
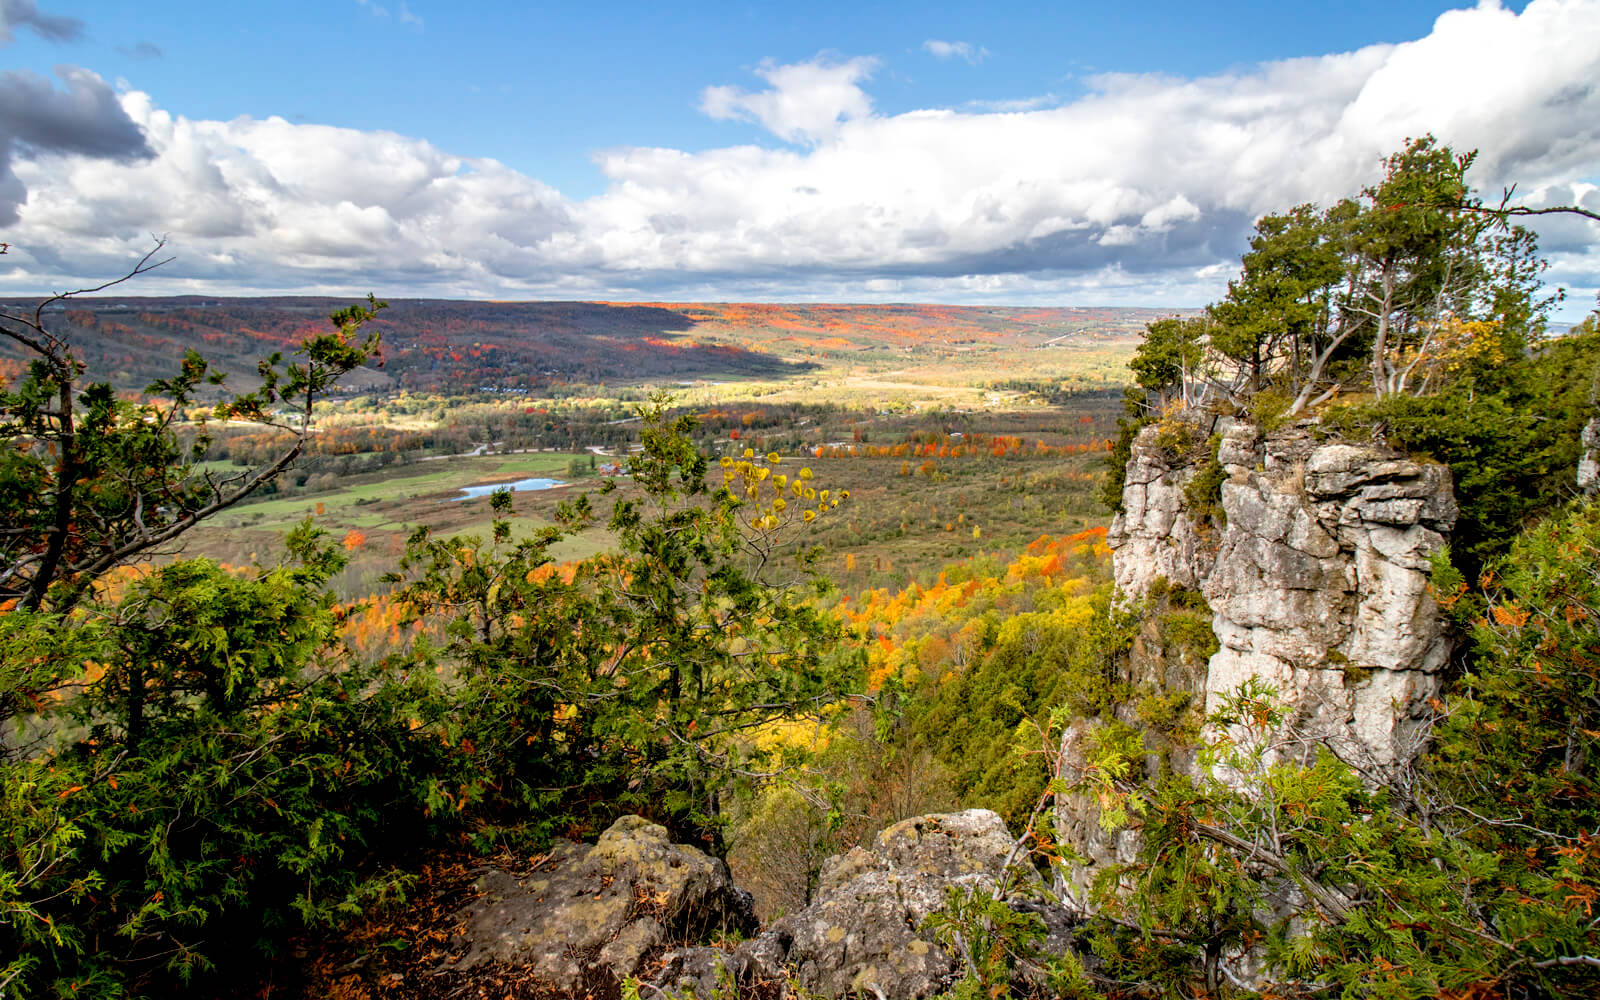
(1317, 576)
(1314, 561)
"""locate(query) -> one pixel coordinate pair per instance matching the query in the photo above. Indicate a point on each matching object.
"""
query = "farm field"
(922, 493)
(958, 431)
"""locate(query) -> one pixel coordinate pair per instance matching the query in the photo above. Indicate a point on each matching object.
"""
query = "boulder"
(862, 935)
(602, 913)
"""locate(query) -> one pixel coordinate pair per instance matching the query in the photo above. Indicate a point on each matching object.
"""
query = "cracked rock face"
(1320, 587)
(1589, 464)
(1158, 537)
(1317, 580)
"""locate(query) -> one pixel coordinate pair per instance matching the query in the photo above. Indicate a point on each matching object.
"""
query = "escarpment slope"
(1312, 557)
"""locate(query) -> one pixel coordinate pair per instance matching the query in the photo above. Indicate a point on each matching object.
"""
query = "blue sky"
(542, 86)
(823, 151)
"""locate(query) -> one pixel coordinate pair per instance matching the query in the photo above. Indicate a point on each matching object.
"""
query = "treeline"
(429, 345)
(1414, 315)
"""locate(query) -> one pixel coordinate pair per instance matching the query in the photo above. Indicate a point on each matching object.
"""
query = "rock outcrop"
(864, 929)
(862, 936)
(1317, 577)
(1314, 562)
(636, 905)
(1155, 537)
(597, 914)
(1589, 463)
(1320, 587)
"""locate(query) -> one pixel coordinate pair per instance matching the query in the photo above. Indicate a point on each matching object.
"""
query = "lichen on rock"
(1320, 588)
(863, 934)
(600, 913)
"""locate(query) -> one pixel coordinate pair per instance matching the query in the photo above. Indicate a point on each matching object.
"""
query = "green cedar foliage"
(94, 482)
(229, 774)
(1521, 745)
(232, 776)
(1478, 873)
(1169, 357)
(1509, 432)
(1139, 413)
(1370, 293)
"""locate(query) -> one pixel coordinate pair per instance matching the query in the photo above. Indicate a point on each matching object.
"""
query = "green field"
(907, 515)
(386, 506)
(913, 378)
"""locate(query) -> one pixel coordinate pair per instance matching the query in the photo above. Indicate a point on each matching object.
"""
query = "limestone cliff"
(1314, 562)
(1589, 463)
(1320, 587)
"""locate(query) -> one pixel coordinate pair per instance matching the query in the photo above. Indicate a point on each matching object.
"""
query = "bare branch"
(145, 264)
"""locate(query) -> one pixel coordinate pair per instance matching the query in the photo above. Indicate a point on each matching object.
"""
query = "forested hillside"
(451, 346)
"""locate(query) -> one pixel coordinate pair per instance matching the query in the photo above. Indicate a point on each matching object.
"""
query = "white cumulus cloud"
(806, 102)
(1141, 190)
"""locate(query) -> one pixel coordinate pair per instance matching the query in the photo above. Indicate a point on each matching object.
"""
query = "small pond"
(520, 486)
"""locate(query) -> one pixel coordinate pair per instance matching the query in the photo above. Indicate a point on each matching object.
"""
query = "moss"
(1170, 713)
(1354, 673)
(1188, 599)
(1203, 495)
(1189, 632)
(1270, 410)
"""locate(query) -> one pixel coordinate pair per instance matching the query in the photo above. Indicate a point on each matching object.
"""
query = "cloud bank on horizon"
(1141, 191)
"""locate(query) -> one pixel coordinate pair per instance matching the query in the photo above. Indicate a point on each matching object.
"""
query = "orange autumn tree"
(989, 643)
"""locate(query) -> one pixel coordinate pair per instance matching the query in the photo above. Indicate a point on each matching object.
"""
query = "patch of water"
(520, 486)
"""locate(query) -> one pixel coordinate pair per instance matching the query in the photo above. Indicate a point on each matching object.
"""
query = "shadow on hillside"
(580, 341)
(433, 344)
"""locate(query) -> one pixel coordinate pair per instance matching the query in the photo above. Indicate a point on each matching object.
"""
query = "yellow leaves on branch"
(1451, 346)
(772, 492)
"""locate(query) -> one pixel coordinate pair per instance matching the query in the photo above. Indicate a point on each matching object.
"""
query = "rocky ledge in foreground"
(594, 915)
(636, 905)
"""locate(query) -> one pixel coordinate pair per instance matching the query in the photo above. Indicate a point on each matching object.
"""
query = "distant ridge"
(455, 345)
